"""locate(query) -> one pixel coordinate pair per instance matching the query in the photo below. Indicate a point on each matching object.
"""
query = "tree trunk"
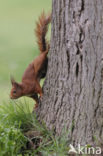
(73, 89)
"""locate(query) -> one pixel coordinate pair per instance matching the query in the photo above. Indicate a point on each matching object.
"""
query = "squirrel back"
(41, 31)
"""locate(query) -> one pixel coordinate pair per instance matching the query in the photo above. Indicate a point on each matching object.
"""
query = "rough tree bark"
(73, 89)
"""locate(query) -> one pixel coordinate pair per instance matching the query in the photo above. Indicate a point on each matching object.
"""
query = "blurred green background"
(17, 40)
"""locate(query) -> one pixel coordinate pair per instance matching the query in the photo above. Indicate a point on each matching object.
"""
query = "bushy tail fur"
(41, 31)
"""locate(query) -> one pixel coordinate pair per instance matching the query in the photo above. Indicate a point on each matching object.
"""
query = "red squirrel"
(30, 85)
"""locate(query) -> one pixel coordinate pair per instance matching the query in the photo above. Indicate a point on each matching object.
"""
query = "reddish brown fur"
(30, 85)
(42, 28)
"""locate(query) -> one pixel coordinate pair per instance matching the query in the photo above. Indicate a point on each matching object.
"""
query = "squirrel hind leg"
(42, 72)
(38, 63)
(38, 89)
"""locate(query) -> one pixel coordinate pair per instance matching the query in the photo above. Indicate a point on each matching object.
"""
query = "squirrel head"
(17, 89)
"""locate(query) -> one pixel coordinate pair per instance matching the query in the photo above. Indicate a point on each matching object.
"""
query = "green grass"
(17, 40)
(18, 123)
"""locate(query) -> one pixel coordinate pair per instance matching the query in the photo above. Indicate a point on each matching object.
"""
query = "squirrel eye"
(14, 91)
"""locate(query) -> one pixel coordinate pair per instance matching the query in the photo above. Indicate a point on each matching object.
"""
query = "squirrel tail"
(41, 31)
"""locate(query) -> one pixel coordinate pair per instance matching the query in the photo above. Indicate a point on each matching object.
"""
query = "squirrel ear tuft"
(12, 80)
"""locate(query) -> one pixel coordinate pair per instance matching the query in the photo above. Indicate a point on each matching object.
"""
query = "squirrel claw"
(41, 94)
(41, 98)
